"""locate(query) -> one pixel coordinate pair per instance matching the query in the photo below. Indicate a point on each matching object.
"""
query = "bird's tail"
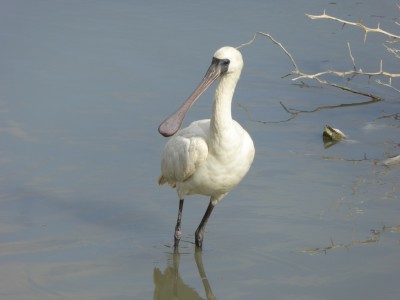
(162, 180)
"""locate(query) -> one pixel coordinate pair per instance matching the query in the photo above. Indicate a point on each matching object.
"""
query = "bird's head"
(230, 59)
(227, 60)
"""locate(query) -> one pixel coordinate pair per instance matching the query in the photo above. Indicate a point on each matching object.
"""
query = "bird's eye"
(225, 62)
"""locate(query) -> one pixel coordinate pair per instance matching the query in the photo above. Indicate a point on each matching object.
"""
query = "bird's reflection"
(170, 285)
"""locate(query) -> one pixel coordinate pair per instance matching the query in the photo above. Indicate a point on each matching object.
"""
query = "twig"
(389, 85)
(351, 56)
(296, 69)
(393, 51)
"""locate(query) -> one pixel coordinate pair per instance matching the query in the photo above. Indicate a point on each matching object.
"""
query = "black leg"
(200, 230)
(178, 232)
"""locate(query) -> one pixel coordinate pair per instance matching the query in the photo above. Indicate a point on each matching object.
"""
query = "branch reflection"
(170, 285)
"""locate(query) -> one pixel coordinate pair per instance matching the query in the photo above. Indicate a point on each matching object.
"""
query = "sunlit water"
(83, 87)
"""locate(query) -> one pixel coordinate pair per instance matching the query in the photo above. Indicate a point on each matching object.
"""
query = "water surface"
(83, 87)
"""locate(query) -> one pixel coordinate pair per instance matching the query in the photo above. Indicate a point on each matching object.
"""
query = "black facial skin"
(223, 63)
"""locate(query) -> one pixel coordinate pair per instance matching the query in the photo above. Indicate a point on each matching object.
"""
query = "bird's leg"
(200, 230)
(178, 232)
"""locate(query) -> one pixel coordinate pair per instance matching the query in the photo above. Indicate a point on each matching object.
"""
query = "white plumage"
(209, 157)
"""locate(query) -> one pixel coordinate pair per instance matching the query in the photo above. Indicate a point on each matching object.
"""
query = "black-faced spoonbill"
(209, 157)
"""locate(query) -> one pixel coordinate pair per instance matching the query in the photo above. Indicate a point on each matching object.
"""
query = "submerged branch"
(295, 112)
(395, 116)
(373, 238)
(324, 107)
(265, 122)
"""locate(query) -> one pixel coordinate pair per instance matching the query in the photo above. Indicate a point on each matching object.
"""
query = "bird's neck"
(221, 120)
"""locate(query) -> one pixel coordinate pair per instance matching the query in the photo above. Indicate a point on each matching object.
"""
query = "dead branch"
(348, 73)
(294, 113)
(296, 69)
(394, 51)
(301, 75)
(389, 84)
(357, 24)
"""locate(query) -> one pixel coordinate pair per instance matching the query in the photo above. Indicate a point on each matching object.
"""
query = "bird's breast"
(227, 163)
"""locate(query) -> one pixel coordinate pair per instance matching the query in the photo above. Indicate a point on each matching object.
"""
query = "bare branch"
(381, 72)
(347, 73)
(344, 74)
(357, 24)
(276, 43)
(392, 50)
(300, 74)
(345, 88)
(351, 56)
(389, 85)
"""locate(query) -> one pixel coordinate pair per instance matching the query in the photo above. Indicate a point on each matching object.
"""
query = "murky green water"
(83, 87)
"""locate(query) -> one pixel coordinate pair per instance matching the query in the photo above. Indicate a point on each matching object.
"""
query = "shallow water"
(83, 87)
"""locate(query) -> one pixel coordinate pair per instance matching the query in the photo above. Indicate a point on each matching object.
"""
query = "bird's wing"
(181, 157)
(184, 153)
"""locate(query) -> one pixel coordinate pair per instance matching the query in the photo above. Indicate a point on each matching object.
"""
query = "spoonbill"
(209, 157)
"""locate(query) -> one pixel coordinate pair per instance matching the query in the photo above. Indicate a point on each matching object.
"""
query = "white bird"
(209, 157)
